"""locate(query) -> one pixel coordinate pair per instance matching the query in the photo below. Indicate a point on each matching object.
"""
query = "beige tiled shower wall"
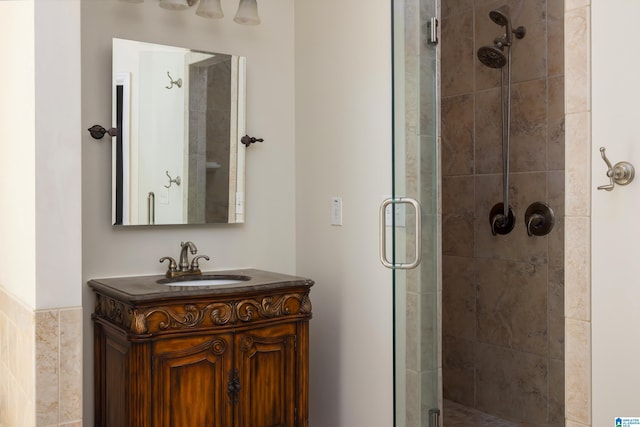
(40, 365)
(578, 213)
(503, 296)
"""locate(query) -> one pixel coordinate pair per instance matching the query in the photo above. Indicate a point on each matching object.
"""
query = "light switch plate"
(164, 196)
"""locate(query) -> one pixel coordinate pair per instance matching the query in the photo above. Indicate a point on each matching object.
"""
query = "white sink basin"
(205, 280)
(209, 282)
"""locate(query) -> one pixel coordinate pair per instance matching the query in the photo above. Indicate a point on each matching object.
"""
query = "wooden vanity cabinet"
(236, 358)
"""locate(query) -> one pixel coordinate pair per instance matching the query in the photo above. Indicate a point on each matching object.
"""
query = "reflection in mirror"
(180, 115)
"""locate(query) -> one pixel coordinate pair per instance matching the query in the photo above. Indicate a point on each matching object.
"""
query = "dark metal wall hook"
(97, 131)
(248, 140)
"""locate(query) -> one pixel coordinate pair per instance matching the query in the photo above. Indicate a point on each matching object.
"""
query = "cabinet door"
(190, 382)
(266, 368)
(112, 388)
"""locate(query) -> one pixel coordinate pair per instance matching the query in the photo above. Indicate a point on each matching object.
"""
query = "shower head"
(501, 16)
(492, 56)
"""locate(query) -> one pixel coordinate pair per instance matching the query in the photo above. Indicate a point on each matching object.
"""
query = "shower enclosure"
(479, 322)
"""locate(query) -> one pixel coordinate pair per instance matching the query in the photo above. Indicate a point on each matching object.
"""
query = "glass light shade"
(247, 13)
(210, 9)
(174, 4)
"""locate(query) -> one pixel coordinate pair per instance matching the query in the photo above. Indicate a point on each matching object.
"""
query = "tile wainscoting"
(40, 365)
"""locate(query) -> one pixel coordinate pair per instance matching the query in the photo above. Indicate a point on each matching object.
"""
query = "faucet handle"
(173, 267)
(195, 268)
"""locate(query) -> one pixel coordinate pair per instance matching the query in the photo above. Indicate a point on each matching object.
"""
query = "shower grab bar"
(383, 233)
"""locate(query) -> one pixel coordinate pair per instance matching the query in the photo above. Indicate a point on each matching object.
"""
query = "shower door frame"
(416, 291)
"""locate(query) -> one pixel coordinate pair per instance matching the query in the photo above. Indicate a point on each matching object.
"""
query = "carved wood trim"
(112, 310)
(144, 320)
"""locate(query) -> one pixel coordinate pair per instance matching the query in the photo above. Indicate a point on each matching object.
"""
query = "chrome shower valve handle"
(622, 173)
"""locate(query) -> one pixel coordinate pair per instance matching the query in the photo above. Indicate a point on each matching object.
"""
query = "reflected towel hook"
(151, 208)
(173, 82)
(175, 180)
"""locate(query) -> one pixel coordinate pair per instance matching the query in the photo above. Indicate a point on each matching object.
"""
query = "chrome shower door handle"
(383, 233)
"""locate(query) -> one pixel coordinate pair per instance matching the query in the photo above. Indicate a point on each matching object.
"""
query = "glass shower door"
(413, 215)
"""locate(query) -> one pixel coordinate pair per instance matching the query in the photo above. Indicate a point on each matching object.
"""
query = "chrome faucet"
(184, 268)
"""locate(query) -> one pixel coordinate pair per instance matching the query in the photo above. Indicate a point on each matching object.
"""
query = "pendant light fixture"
(247, 13)
(210, 9)
(175, 4)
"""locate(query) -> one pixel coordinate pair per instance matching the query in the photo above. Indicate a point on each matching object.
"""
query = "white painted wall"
(58, 154)
(615, 228)
(343, 148)
(40, 152)
(17, 151)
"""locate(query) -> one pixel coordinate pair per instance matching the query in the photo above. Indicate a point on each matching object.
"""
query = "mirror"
(177, 158)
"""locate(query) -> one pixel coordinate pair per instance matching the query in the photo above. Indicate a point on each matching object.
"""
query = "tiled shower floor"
(457, 415)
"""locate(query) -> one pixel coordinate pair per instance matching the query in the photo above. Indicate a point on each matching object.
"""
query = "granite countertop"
(143, 289)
